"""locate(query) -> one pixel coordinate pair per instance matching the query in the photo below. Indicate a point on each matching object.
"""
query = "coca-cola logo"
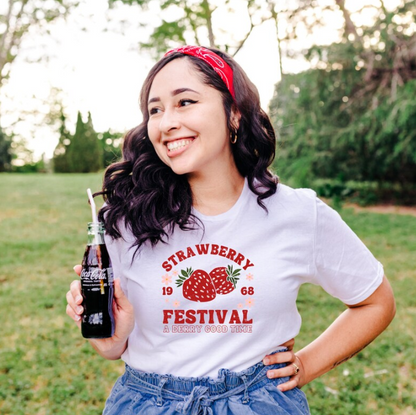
(93, 274)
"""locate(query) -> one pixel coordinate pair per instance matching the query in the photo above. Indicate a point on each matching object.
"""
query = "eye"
(185, 102)
(154, 110)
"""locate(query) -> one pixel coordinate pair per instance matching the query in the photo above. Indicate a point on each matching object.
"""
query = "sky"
(102, 71)
(98, 67)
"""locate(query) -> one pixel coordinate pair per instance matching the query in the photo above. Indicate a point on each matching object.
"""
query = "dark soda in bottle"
(97, 286)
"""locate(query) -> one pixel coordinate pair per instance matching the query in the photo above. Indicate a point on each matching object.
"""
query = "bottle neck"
(95, 233)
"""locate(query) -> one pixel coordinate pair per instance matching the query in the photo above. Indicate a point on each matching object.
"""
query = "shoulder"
(297, 201)
(294, 209)
(290, 194)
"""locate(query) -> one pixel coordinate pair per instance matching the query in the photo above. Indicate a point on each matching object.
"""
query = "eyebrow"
(174, 92)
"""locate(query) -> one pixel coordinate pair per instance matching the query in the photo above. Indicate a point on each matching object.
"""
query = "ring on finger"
(296, 368)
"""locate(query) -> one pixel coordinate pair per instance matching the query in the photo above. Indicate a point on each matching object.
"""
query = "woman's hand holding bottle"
(110, 348)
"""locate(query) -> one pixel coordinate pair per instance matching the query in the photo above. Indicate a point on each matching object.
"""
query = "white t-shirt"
(191, 321)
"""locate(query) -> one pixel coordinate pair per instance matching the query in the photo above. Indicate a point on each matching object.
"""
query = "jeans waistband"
(198, 393)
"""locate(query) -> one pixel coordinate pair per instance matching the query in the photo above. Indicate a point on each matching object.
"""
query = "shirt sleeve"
(344, 266)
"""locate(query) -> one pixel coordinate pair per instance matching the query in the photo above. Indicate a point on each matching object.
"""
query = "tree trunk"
(11, 37)
(349, 25)
(275, 17)
(208, 12)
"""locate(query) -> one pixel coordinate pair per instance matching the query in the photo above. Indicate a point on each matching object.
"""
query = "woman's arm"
(351, 332)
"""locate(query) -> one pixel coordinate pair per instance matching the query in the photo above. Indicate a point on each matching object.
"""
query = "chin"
(180, 170)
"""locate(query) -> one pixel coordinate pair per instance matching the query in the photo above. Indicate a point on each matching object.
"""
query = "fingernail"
(78, 298)
(77, 318)
(79, 309)
(280, 388)
(269, 375)
(266, 361)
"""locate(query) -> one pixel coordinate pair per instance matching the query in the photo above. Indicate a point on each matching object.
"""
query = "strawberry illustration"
(224, 279)
(197, 285)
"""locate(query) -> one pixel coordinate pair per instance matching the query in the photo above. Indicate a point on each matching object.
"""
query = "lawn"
(46, 367)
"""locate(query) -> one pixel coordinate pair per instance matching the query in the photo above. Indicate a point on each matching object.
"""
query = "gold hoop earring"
(233, 136)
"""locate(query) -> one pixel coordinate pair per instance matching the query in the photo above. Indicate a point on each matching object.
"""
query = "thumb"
(119, 295)
(78, 269)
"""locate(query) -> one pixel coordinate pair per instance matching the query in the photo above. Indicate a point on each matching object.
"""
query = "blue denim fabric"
(249, 392)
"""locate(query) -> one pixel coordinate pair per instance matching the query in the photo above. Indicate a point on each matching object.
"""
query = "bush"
(332, 126)
(365, 193)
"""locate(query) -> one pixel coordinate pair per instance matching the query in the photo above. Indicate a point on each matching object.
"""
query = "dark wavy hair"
(149, 197)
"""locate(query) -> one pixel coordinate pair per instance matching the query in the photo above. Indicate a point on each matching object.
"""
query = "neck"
(214, 194)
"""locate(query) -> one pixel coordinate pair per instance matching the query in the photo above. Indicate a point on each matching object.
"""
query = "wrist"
(302, 372)
(111, 349)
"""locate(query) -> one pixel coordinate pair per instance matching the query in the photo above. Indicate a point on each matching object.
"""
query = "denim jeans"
(248, 392)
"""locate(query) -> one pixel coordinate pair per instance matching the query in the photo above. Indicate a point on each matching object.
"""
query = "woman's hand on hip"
(293, 369)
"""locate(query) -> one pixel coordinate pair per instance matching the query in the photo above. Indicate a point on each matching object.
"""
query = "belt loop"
(246, 398)
(159, 401)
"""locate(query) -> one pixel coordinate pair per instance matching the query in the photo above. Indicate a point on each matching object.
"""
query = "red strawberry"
(224, 279)
(197, 285)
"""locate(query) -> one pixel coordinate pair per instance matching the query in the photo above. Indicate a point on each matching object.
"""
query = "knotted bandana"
(212, 59)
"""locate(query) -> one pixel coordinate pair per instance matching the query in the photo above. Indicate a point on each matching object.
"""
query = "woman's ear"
(235, 118)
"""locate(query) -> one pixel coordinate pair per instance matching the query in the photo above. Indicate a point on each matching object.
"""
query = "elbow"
(113, 357)
(392, 310)
(387, 308)
(390, 304)
(386, 302)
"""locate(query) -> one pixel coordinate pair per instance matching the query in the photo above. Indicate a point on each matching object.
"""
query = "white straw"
(93, 210)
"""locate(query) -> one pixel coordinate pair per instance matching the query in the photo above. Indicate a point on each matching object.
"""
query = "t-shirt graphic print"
(186, 280)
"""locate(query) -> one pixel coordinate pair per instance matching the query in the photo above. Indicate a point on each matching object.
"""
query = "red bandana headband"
(212, 59)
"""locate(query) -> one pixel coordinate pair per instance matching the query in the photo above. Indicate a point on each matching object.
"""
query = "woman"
(210, 251)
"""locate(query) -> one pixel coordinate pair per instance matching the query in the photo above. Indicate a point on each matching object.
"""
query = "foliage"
(40, 166)
(364, 192)
(348, 142)
(193, 22)
(85, 154)
(60, 154)
(5, 152)
(111, 146)
(43, 220)
(19, 18)
(109, 142)
(353, 115)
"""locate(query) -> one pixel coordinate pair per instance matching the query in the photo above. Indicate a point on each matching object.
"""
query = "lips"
(178, 144)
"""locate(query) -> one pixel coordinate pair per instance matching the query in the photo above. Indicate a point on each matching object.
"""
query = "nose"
(170, 121)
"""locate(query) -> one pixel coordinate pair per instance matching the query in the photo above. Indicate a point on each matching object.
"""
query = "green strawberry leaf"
(236, 273)
(233, 280)
(180, 281)
(232, 274)
(185, 275)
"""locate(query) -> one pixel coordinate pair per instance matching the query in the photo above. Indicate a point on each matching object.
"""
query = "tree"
(109, 143)
(84, 151)
(5, 152)
(19, 18)
(194, 23)
(111, 146)
(352, 115)
(60, 154)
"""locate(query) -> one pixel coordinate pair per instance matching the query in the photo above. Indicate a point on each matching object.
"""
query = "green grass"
(46, 367)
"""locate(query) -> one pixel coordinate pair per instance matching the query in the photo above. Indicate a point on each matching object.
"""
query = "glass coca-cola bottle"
(97, 286)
